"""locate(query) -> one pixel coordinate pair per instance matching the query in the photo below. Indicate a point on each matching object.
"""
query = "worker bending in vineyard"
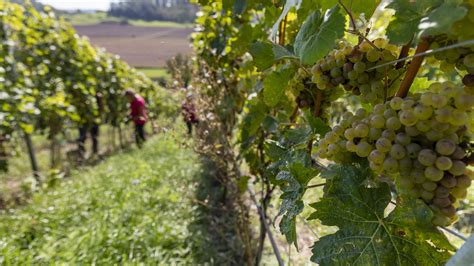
(91, 127)
(138, 114)
(188, 110)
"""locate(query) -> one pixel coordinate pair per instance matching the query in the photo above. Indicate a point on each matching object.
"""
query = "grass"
(82, 19)
(155, 73)
(134, 208)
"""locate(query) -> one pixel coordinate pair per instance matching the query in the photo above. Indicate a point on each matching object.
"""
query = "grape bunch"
(420, 141)
(351, 68)
(461, 59)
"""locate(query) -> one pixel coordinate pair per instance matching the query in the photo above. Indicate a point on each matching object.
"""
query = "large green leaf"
(318, 35)
(356, 6)
(438, 22)
(275, 85)
(367, 236)
(407, 17)
(266, 54)
(296, 179)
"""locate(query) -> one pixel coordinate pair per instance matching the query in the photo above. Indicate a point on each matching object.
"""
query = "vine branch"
(351, 16)
(403, 53)
(413, 69)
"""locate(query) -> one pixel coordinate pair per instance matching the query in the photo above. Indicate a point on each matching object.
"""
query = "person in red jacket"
(138, 114)
(188, 111)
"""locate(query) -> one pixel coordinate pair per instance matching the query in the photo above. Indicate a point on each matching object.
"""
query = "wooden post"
(31, 153)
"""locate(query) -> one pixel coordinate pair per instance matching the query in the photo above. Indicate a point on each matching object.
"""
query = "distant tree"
(168, 10)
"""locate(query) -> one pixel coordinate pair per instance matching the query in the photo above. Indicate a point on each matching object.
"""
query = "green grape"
(397, 151)
(449, 211)
(469, 60)
(338, 130)
(458, 168)
(374, 133)
(351, 146)
(448, 181)
(407, 104)
(427, 99)
(443, 163)
(444, 114)
(429, 186)
(438, 100)
(439, 126)
(361, 113)
(336, 72)
(383, 145)
(359, 67)
(402, 138)
(389, 113)
(378, 168)
(459, 118)
(442, 192)
(463, 181)
(423, 112)
(363, 149)
(458, 154)
(379, 109)
(464, 101)
(396, 103)
(349, 134)
(412, 131)
(361, 130)
(441, 202)
(433, 173)
(389, 134)
(377, 157)
(405, 164)
(423, 125)
(373, 55)
(412, 150)
(445, 147)
(408, 118)
(427, 195)
(459, 192)
(434, 135)
(393, 123)
(353, 75)
(390, 165)
(377, 121)
(418, 176)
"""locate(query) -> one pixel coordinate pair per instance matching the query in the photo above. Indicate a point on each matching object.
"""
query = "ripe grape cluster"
(461, 58)
(420, 141)
(351, 68)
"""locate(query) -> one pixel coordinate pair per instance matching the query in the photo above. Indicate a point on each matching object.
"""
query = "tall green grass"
(134, 208)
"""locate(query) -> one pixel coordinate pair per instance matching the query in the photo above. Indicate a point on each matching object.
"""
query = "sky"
(79, 4)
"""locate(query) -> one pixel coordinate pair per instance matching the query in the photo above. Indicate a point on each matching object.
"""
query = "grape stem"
(403, 53)
(413, 69)
(351, 17)
(317, 185)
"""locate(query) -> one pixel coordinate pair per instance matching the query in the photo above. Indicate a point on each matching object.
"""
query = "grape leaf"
(356, 6)
(437, 22)
(266, 54)
(296, 178)
(318, 35)
(317, 124)
(368, 237)
(275, 84)
(407, 18)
